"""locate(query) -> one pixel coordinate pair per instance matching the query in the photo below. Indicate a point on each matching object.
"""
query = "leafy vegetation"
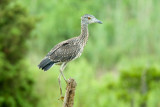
(15, 82)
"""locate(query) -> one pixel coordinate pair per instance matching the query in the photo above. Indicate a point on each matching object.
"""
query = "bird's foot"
(61, 98)
(67, 81)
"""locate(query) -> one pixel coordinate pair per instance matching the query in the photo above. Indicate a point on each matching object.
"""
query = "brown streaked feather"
(60, 44)
(64, 51)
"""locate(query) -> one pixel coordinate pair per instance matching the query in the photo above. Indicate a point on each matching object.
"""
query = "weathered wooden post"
(70, 93)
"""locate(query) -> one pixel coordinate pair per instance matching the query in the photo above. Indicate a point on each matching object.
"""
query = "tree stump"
(70, 93)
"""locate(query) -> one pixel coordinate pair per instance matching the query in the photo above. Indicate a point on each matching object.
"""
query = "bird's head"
(88, 19)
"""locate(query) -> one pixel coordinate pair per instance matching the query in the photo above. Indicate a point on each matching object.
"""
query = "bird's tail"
(45, 64)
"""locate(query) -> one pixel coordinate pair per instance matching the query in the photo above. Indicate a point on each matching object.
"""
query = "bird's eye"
(89, 18)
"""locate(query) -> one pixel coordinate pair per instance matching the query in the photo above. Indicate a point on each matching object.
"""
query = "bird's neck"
(84, 32)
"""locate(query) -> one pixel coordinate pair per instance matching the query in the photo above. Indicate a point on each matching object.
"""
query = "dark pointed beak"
(98, 21)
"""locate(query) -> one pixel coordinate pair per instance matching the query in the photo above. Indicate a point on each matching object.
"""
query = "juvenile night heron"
(68, 50)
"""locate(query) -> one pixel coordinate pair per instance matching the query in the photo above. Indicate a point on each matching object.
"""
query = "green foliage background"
(16, 88)
(119, 65)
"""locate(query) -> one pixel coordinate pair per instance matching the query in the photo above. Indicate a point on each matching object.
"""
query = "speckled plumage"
(68, 50)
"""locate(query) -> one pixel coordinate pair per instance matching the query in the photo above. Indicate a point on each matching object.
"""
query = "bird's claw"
(67, 81)
(61, 98)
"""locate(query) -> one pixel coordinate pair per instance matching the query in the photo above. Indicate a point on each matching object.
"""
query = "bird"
(68, 50)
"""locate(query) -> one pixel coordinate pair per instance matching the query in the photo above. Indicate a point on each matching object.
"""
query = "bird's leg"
(60, 87)
(61, 71)
(59, 81)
